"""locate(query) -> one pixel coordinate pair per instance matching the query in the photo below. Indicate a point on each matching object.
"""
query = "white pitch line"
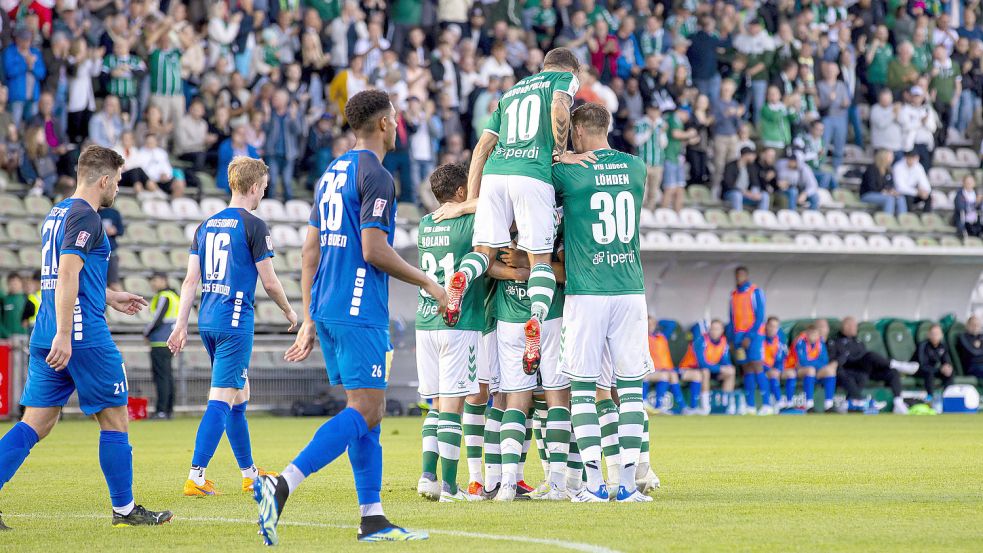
(570, 545)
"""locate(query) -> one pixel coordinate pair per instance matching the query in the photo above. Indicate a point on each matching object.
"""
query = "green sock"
(558, 444)
(449, 447)
(541, 288)
(539, 432)
(430, 454)
(474, 427)
(526, 444)
(473, 265)
(587, 429)
(512, 435)
(631, 425)
(493, 448)
(607, 414)
(643, 454)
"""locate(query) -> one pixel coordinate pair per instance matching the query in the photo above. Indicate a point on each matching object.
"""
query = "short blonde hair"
(244, 172)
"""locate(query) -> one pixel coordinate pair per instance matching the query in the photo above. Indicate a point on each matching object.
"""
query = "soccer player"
(812, 360)
(664, 372)
(447, 358)
(228, 251)
(708, 357)
(775, 358)
(347, 259)
(510, 176)
(71, 347)
(481, 433)
(747, 322)
(605, 305)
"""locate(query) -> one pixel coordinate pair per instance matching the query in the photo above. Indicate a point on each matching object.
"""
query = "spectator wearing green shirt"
(124, 72)
(879, 55)
(166, 84)
(945, 85)
(777, 117)
(13, 302)
(922, 54)
(901, 72)
(674, 174)
(759, 50)
(651, 141)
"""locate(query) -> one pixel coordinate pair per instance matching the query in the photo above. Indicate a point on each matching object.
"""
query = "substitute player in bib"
(747, 322)
(774, 361)
(446, 358)
(811, 359)
(605, 304)
(347, 259)
(511, 178)
(708, 359)
(71, 347)
(228, 251)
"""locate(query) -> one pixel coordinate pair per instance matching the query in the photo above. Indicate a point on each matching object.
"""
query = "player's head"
(14, 284)
(716, 329)
(371, 114)
(561, 59)
(935, 334)
(99, 169)
(158, 282)
(248, 177)
(823, 326)
(741, 275)
(449, 183)
(590, 124)
(812, 332)
(849, 328)
(771, 327)
(973, 325)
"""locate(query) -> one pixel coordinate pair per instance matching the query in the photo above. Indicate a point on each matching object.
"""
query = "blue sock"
(829, 387)
(331, 440)
(210, 431)
(789, 389)
(237, 431)
(776, 388)
(15, 446)
(116, 460)
(365, 455)
(762, 379)
(677, 394)
(809, 387)
(695, 388)
(661, 387)
(749, 381)
(645, 390)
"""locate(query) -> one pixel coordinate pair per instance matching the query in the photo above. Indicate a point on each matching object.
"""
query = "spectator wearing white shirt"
(918, 125)
(944, 35)
(911, 182)
(157, 166)
(966, 213)
(351, 21)
(372, 47)
(134, 160)
(496, 65)
(85, 64)
(885, 129)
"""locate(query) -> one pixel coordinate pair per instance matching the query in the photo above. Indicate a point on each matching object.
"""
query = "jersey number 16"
(216, 255)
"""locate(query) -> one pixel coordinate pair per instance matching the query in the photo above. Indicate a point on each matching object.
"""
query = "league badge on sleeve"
(83, 237)
(379, 207)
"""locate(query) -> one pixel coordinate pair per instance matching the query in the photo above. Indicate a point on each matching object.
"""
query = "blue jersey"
(73, 227)
(229, 244)
(356, 192)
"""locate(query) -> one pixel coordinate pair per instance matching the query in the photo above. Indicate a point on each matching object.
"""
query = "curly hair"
(363, 108)
(447, 179)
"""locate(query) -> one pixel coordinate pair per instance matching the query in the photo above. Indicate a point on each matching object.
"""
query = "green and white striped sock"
(587, 429)
(449, 446)
(607, 414)
(474, 439)
(538, 431)
(512, 435)
(643, 454)
(631, 426)
(526, 444)
(558, 444)
(541, 288)
(575, 465)
(473, 265)
(430, 454)
(493, 448)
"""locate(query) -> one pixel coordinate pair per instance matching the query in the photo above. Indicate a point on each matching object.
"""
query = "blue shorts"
(97, 373)
(756, 349)
(674, 175)
(356, 356)
(230, 354)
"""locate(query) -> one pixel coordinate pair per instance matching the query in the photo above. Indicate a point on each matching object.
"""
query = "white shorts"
(616, 325)
(488, 370)
(511, 346)
(530, 202)
(447, 362)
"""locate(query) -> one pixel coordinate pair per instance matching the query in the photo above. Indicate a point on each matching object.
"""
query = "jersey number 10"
(617, 217)
(522, 122)
(216, 255)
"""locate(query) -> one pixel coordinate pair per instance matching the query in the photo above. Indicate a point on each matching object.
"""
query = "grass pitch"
(818, 483)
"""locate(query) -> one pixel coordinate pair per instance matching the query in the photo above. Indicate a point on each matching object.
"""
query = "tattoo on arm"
(561, 122)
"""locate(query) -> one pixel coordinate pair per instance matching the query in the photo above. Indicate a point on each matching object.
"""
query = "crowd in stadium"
(757, 100)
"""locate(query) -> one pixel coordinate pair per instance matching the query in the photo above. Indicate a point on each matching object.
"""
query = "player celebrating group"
(228, 251)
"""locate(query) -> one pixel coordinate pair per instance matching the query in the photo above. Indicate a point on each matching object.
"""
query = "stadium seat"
(790, 219)
(285, 235)
(838, 220)
(861, 220)
(898, 340)
(732, 238)
(158, 209)
(281, 265)
(826, 200)
(921, 330)
(707, 239)
(186, 208)
(692, 218)
(806, 240)
(757, 238)
(189, 231)
(832, 241)
(4, 237)
(155, 260)
(698, 194)
(966, 157)
(944, 156)
(934, 222)
(128, 207)
(268, 313)
(271, 210)
(293, 259)
(910, 222)
(179, 259)
(139, 233)
(11, 205)
(665, 218)
(814, 220)
(781, 238)
(677, 337)
(927, 242)
(718, 218)
(30, 257)
(886, 220)
(171, 235)
(855, 242)
(950, 242)
(682, 239)
(298, 211)
(646, 219)
(941, 200)
(741, 219)
(766, 219)
(291, 287)
(8, 259)
(939, 177)
(128, 260)
(868, 334)
(208, 185)
(23, 233)
(902, 242)
(137, 285)
(855, 154)
(656, 238)
(957, 176)
(952, 340)
(879, 242)
(847, 197)
(972, 242)
(38, 206)
(211, 206)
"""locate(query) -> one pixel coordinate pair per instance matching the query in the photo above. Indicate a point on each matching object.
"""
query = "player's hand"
(438, 293)
(521, 274)
(448, 211)
(60, 353)
(177, 339)
(570, 158)
(125, 302)
(746, 343)
(304, 343)
(291, 317)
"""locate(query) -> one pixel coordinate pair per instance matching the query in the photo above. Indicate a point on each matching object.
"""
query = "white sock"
(905, 367)
(508, 475)
(370, 510)
(828, 404)
(251, 472)
(899, 401)
(293, 476)
(595, 479)
(197, 474)
(125, 509)
(705, 400)
(628, 476)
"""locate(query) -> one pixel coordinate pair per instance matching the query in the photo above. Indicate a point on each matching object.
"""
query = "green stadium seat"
(899, 341)
(23, 233)
(952, 341)
(697, 194)
(921, 331)
(934, 222)
(291, 287)
(781, 238)
(171, 234)
(8, 259)
(138, 285)
(950, 242)
(268, 313)
(718, 218)
(927, 242)
(11, 205)
(758, 239)
(128, 260)
(281, 264)
(732, 238)
(798, 328)
(30, 257)
(128, 208)
(38, 206)
(910, 222)
(847, 197)
(741, 219)
(972, 242)
(179, 259)
(868, 334)
(834, 326)
(293, 259)
(207, 181)
(141, 234)
(155, 260)
(886, 220)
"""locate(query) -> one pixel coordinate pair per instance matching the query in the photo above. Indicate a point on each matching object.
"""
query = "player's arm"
(66, 293)
(310, 258)
(274, 289)
(500, 271)
(559, 267)
(482, 151)
(560, 116)
(125, 302)
(377, 252)
(189, 290)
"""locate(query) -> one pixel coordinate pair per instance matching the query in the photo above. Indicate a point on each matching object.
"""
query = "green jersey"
(523, 123)
(601, 206)
(165, 73)
(512, 304)
(442, 245)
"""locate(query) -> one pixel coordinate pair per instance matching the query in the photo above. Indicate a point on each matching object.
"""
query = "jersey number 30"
(617, 217)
